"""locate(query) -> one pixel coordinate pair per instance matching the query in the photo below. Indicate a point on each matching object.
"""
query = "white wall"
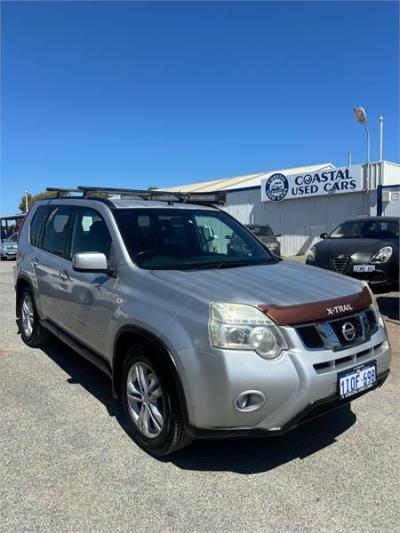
(391, 207)
(300, 221)
(391, 173)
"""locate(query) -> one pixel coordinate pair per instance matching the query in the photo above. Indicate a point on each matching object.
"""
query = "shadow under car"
(244, 456)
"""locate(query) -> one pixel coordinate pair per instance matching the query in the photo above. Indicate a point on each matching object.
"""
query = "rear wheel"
(32, 333)
(150, 403)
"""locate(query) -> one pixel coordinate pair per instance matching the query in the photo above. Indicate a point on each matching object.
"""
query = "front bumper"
(383, 272)
(311, 412)
(274, 249)
(8, 253)
(296, 386)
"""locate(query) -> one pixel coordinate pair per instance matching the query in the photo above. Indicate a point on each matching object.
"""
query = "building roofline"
(224, 184)
(12, 217)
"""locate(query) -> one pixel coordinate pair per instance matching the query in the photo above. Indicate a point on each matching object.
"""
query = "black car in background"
(365, 248)
(265, 234)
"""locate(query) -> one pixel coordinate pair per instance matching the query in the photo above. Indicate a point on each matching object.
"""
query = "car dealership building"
(303, 202)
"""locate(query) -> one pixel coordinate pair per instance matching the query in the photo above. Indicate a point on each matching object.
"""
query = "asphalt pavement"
(66, 463)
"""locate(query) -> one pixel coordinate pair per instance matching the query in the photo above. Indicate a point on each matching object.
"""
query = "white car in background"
(9, 247)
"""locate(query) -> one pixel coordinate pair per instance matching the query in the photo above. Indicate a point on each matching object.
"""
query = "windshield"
(372, 229)
(261, 231)
(13, 238)
(187, 239)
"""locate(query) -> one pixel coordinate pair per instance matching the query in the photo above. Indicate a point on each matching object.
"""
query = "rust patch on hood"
(315, 311)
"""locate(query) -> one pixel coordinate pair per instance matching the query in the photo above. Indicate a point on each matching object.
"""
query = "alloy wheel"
(27, 315)
(145, 400)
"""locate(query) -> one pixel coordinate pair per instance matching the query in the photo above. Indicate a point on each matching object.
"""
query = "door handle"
(35, 262)
(64, 275)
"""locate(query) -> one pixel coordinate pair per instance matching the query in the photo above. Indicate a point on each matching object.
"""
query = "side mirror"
(89, 262)
(324, 235)
(278, 235)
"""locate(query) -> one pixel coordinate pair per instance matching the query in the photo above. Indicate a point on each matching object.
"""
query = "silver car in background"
(9, 247)
(202, 331)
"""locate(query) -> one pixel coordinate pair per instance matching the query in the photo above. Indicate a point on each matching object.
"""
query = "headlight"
(311, 254)
(375, 306)
(243, 327)
(383, 255)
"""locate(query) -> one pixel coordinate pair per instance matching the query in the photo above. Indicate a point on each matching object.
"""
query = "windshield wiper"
(228, 264)
(232, 265)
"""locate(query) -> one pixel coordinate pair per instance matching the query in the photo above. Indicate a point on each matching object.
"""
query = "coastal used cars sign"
(278, 187)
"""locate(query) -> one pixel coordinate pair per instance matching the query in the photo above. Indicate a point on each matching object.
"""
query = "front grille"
(310, 336)
(339, 264)
(330, 334)
(339, 328)
(343, 362)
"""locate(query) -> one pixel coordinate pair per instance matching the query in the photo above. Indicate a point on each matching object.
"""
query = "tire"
(154, 418)
(32, 333)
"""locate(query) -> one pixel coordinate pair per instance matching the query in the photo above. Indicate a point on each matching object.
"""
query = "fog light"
(250, 400)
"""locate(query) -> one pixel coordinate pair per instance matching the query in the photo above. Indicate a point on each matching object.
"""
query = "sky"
(136, 94)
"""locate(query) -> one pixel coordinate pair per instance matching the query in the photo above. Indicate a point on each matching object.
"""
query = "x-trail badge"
(339, 309)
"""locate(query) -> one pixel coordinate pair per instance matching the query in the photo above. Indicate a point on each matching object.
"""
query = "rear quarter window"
(37, 224)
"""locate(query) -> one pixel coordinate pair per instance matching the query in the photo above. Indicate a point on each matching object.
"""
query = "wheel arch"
(23, 282)
(131, 334)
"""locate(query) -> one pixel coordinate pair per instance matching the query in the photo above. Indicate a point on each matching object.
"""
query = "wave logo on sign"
(276, 187)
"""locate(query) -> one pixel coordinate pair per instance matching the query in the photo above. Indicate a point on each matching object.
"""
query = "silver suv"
(202, 331)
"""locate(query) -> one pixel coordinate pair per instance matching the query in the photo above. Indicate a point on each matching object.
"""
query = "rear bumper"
(312, 411)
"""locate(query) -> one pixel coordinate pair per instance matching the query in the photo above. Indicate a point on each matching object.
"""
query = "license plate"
(357, 379)
(364, 268)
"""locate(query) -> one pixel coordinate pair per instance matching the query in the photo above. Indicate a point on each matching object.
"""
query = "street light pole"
(361, 116)
(26, 201)
(368, 143)
(380, 137)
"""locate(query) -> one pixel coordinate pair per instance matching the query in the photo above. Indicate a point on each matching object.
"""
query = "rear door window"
(55, 237)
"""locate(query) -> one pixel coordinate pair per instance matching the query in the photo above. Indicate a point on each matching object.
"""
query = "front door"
(87, 299)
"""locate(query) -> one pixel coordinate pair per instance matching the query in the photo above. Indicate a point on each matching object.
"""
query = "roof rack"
(203, 198)
(61, 192)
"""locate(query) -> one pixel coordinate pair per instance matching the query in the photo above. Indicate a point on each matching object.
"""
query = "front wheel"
(150, 403)
(32, 333)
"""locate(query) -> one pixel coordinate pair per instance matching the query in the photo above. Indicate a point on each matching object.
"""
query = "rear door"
(49, 260)
(86, 299)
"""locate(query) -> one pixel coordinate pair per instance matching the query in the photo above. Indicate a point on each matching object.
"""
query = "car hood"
(350, 246)
(285, 283)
